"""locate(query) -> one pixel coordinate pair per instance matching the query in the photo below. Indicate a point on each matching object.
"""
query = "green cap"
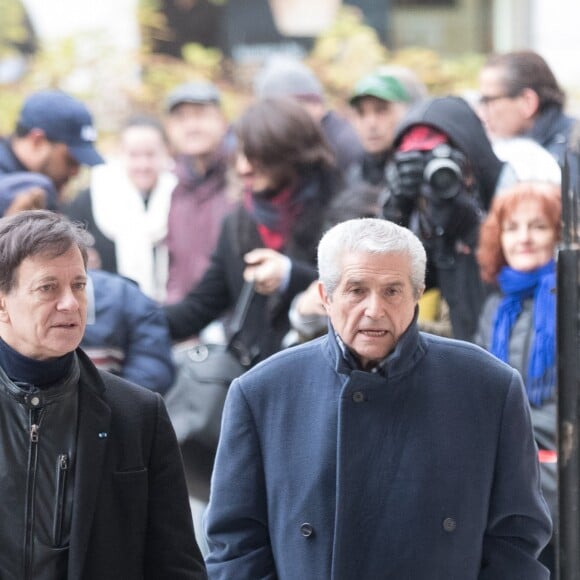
(380, 86)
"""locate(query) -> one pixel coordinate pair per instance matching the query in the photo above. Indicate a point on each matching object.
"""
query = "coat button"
(306, 530)
(449, 524)
(358, 396)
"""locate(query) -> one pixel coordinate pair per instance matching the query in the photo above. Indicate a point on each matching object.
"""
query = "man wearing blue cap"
(54, 136)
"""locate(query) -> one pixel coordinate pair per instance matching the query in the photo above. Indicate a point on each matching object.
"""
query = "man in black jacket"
(93, 485)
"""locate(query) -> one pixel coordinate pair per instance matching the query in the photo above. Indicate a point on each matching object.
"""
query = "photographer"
(440, 183)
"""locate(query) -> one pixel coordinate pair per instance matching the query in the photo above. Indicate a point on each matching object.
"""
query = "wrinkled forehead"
(375, 265)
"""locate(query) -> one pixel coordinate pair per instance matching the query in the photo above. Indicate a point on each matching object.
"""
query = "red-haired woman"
(516, 252)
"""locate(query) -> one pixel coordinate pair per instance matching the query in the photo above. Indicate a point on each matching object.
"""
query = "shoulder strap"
(241, 308)
(245, 354)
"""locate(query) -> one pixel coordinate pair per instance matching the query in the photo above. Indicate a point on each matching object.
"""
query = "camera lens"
(443, 174)
(444, 177)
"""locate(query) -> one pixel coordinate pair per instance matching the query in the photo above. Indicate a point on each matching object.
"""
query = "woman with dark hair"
(516, 252)
(271, 237)
(269, 240)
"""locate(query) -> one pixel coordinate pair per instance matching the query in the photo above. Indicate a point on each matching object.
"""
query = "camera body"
(433, 190)
(437, 174)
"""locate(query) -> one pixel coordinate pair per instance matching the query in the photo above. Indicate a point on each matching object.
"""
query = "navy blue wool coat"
(429, 472)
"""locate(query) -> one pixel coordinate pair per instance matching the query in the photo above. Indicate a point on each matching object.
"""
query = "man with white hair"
(376, 451)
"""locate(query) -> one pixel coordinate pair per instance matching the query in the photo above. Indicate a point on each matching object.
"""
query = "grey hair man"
(93, 485)
(351, 456)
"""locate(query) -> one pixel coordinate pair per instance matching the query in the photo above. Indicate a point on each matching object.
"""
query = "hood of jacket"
(454, 117)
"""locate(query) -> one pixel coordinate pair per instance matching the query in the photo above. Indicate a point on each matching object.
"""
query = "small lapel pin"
(103, 435)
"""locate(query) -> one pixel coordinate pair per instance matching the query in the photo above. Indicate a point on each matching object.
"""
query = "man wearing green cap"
(379, 101)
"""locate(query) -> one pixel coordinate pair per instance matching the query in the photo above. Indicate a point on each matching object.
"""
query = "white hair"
(372, 236)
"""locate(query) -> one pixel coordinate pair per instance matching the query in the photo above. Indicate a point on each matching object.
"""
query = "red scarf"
(274, 216)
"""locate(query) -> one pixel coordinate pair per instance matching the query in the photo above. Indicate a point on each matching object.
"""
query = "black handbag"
(195, 401)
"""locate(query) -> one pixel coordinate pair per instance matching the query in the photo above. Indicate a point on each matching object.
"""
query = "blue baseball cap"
(63, 119)
(12, 184)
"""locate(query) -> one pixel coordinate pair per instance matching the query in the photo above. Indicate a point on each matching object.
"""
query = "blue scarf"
(518, 286)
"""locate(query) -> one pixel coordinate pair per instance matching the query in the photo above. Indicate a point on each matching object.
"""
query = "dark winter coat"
(130, 515)
(552, 130)
(427, 473)
(127, 332)
(544, 418)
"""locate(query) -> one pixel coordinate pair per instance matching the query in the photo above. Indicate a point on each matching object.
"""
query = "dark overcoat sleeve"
(237, 524)
(170, 551)
(518, 525)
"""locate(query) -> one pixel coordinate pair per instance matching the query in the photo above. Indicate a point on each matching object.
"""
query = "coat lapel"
(94, 421)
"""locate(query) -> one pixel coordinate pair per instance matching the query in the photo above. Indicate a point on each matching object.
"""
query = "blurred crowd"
(192, 205)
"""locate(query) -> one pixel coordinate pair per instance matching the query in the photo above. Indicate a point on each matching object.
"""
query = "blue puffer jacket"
(127, 332)
(14, 178)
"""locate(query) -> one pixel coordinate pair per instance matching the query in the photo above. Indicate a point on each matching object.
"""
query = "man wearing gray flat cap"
(195, 92)
(198, 134)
